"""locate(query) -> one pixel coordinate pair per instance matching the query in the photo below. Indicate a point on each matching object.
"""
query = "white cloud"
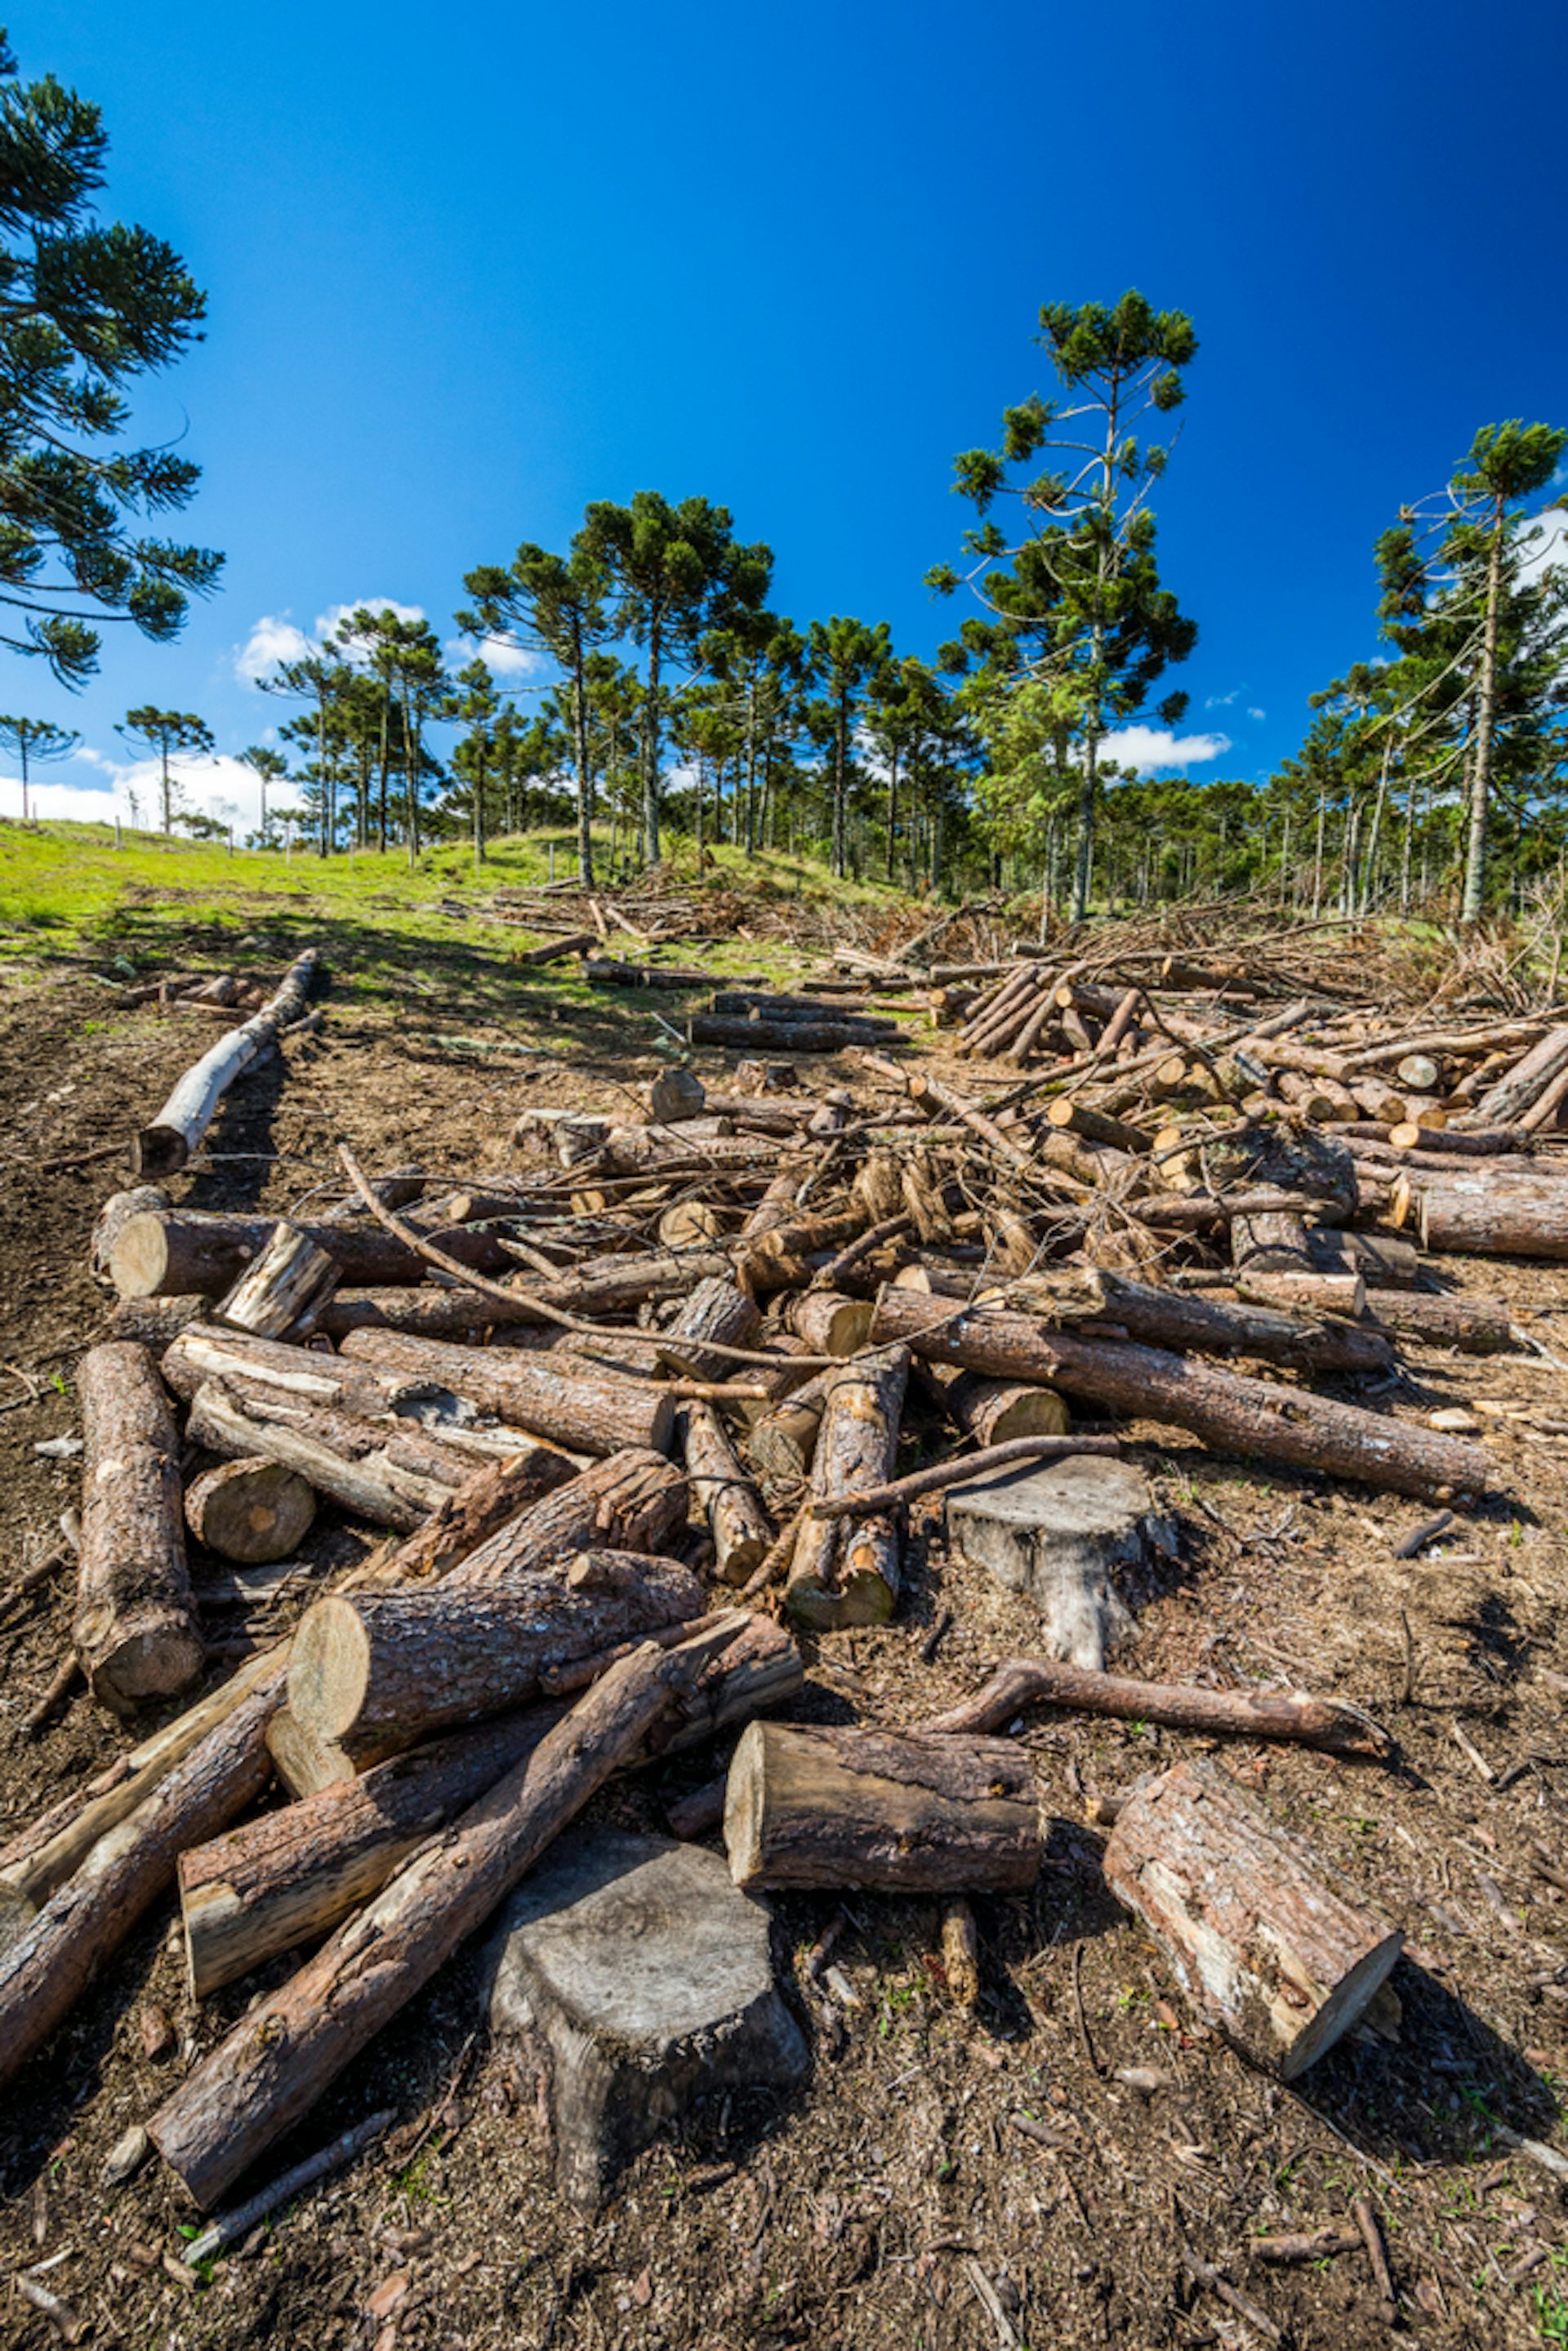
(219, 786)
(499, 658)
(1147, 749)
(1257, 714)
(1222, 701)
(276, 638)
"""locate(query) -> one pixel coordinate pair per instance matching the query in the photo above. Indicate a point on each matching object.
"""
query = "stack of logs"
(681, 1355)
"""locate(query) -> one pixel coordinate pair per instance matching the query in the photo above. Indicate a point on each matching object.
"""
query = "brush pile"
(631, 1419)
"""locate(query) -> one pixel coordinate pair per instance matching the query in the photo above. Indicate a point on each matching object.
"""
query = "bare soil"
(895, 2201)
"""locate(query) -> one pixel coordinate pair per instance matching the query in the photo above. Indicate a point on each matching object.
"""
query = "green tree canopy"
(34, 741)
(164, 735)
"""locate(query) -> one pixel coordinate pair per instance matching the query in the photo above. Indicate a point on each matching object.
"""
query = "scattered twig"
(1366, 2221)
(229, 2227)
(1410, 1545)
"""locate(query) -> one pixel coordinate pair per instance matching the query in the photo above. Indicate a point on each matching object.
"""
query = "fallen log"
(252, 1365)
(1525, 1083)
(1075, 1297)
(737, 1521)
(828, 1323)
(1264, 1944)
(287, 1284)
(1463, 1216)
(1475, 1326)
(758, 1036)
(45, 1970)
(165, 1147)
(1254, 1418)
(847, 1573)
(484, 1503)
(993, 1412)
(373, 1673)
(141, 1200)
(250, 1512)
(718, 1309)
(1023, 1682)
(172, 1252)
(584, 1413)
(277, 2062)
(782, 1442)
(633, 1501)
(291, 1876)
(391, 1472)
(889, 1811)
(135, 1627)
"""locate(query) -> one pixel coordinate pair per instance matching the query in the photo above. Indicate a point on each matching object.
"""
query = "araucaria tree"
(164, 735)
(1074, 584)
(34, 740)
(845, 656)
(87, 310)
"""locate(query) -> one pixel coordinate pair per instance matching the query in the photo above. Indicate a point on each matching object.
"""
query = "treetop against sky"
(467, 275)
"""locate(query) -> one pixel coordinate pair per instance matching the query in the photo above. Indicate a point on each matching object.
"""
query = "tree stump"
(1061, 1533)
(643, 1981)
(888, 1810)
(1273, 1949)
(251, 1511)
(135, 1628)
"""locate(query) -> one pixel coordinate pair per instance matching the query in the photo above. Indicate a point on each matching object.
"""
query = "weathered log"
(737, 1521)
(1383, 1260)
(583, 1413)
(484, 1503)
(717, 1309)
(376, 1672)
(252, 1365)
(1250, 1418)
(277, 2062)
(1475, 1326)
(388, 1472)
(758, 1036)
(1265, 1944)
(884, 1809)
(1072, 1115)
(45, 1969)
(992, 1411)
(1076, 1297)
(287, 1284)
(171, 1252)
(164, 1147)
(846, 1572)
(1525, 1083)
(156, 1322)
(634, 1501)
(782, 1441)
(1477, 1216)
(251, 1511)
(141, 1200)
(400, 1188)
(1021, 1682)
(291, 1876)
(135, 1627)
(830, 1324)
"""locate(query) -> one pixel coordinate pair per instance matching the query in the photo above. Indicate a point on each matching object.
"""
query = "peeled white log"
(165, 1147)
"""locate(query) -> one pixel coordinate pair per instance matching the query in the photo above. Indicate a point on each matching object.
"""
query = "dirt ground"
(895, 2201)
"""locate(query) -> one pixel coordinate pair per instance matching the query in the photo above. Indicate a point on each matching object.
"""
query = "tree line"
(672, 697)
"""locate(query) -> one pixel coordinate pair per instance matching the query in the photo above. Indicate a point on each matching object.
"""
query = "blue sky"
(467, 271)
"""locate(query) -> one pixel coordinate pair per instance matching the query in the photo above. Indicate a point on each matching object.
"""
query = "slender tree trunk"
(1285, 876)
(841, 729)
(323, 839)
(650, 747)
(1317, 855)
(1369, 873)
(22, 747)
(1480, 774)
(579, 755)
(386, 770)
(752, 828)
(1408, 854)
(168, 797)
(410, 762)
(1349, 856)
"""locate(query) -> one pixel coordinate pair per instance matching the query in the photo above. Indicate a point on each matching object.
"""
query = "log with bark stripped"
(135, 1627)
(846, 1571)
(287, 1285)
(165, 1147)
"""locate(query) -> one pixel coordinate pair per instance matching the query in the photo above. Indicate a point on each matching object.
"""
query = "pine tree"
(163, 735)
(268, 766)
(844, 657)
(35, 741)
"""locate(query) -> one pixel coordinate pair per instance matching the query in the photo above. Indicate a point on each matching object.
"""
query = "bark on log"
(376, 1672)
(165, 1147)
(1073, 1116)
(717, 1309)
(171, 1252)
(846, 1571)
(141, 1200)
(1465, 1215)
(1174, 1319)
(828, 1325)
(249, 1365)
(287, 1284)
(1254, 1418)
(737, 1522)
(634, 1501)
(1525, 1083)
(1475, 1326)
(156, 1322)
(279, 2060)
(993, 1411)
(1023, 1682)
(1383, 1260)
(787, 1036)
(135, 1627)
(1282, 1960)
(782, 1441)
(786, 1255)
(487, 1501)
(84, 1921)
(251, 1511)
(389, 1472)
(884, 1809)
(585, 1414)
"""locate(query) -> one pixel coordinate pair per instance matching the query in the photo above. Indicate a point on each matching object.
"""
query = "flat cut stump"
(644, 1982)
(1062, 1534)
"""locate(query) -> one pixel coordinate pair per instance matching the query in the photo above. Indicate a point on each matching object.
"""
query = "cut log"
(376, 1672)
(141, 1200)
(739, 1525)
(46, 1968)
(634, 1501)
(291, 1876)
(758, 1036)
(1479, 1216)
(586, 1414)
(1383, 1260)
(993, 1411)
(828, 1323)
(389, 1472)
(1475, 1326)
(251, 1511)
(279, 2060)
(1078, 1297)
(286, 1285)
(169, 1252)
(717, 1309)
(1265, 1944)
(135, 1627)
(676, 1095)
(156, 1322)
(1022, 1682)
(252, 1365)
(1233, 1415)
(1079, 1118)
(887, 1811)
(487, 1501)
(165, 1147)
(846, 1571)
(1525, 1083)
(786, 1255)
(782, 1441)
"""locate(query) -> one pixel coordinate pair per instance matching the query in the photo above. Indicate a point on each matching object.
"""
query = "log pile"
(633, 1417)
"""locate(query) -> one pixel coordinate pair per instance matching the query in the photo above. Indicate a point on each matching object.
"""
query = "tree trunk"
(1483, 1215)
(1023, 1682)
(135, 1627)
(1078, 1299)
(992, 1411)
(1282, 1960)
(250, 1512)
(163, 1148)
(846, 1571)
(650, 717)
(141, 1200)
(717, 1309)
(249, 1365)
(634, 1501)
(1253, 1418)
(387, 1471)
(742, 1534)
(584, 1413)
(1474, 897)
(826, 1322)
(172, 1253)
(887, 1811)
(258, 2082)
(85, 1920)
